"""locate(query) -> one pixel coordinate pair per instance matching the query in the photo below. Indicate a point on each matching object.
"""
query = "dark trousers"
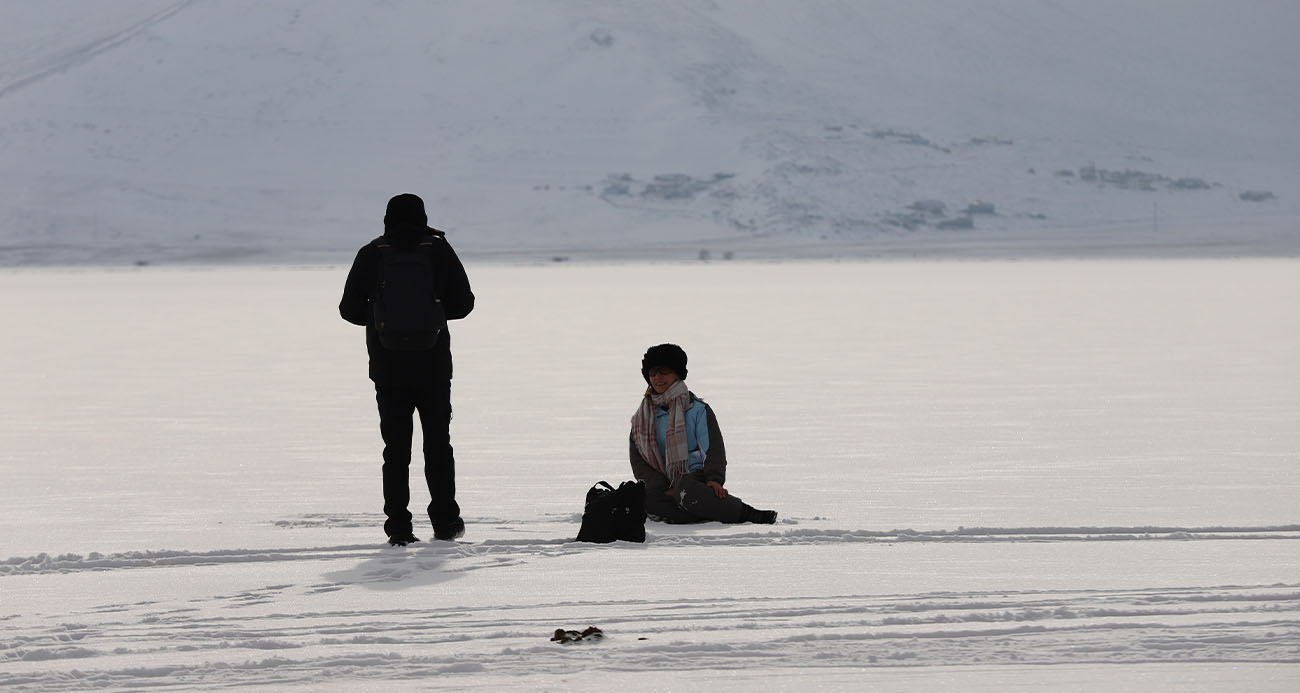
(397, 407)
(693, 501)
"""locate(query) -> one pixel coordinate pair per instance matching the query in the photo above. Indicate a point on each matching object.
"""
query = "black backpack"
(405, 308)
(614, 514)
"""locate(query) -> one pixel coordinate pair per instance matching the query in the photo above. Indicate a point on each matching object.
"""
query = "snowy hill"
(270, 130)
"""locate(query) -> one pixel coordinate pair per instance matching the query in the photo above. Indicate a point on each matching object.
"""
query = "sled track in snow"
(371, 615)
(142, 645)
(89, 51)
(46, 563)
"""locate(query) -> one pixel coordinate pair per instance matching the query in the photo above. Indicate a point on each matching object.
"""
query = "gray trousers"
(693, 501)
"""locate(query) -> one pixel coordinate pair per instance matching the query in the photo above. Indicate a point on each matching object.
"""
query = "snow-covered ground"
(162, 131)
(1047, 474)
(1056, 475)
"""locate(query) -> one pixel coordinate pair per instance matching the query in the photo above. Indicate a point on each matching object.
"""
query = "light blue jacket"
(708, 452)
(697, 434)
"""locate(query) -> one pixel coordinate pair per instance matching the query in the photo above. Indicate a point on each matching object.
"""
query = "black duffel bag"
(614, 514)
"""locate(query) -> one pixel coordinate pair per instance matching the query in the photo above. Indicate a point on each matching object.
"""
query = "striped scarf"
(676, 399)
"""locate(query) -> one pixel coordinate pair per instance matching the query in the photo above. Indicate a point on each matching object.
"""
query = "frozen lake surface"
(980, 467)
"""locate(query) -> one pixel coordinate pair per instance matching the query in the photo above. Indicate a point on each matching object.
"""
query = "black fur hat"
(406, 209)
(665, 356)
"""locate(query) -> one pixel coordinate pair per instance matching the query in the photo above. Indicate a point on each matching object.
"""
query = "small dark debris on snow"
(564, 637)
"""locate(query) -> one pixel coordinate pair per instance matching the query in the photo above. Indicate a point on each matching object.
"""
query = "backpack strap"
(426, 241)
(384, 245)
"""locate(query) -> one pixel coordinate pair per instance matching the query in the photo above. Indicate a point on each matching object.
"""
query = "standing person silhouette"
(407, 381)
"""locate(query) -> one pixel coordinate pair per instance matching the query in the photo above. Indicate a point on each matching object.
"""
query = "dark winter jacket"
(714, 453)
(414, 369)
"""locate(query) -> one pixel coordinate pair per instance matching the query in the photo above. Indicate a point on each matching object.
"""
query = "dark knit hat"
(664, 356)
(406, 209)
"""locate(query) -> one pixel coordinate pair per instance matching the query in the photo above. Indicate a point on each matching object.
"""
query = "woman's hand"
(717, 489)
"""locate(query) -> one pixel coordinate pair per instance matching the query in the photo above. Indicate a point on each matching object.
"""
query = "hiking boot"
(760, 517)
(450, 532)
(402, 539)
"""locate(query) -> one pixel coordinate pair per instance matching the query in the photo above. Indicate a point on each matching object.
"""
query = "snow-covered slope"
(156, 130)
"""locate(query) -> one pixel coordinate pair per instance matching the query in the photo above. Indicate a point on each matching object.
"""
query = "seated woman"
(676, 449)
